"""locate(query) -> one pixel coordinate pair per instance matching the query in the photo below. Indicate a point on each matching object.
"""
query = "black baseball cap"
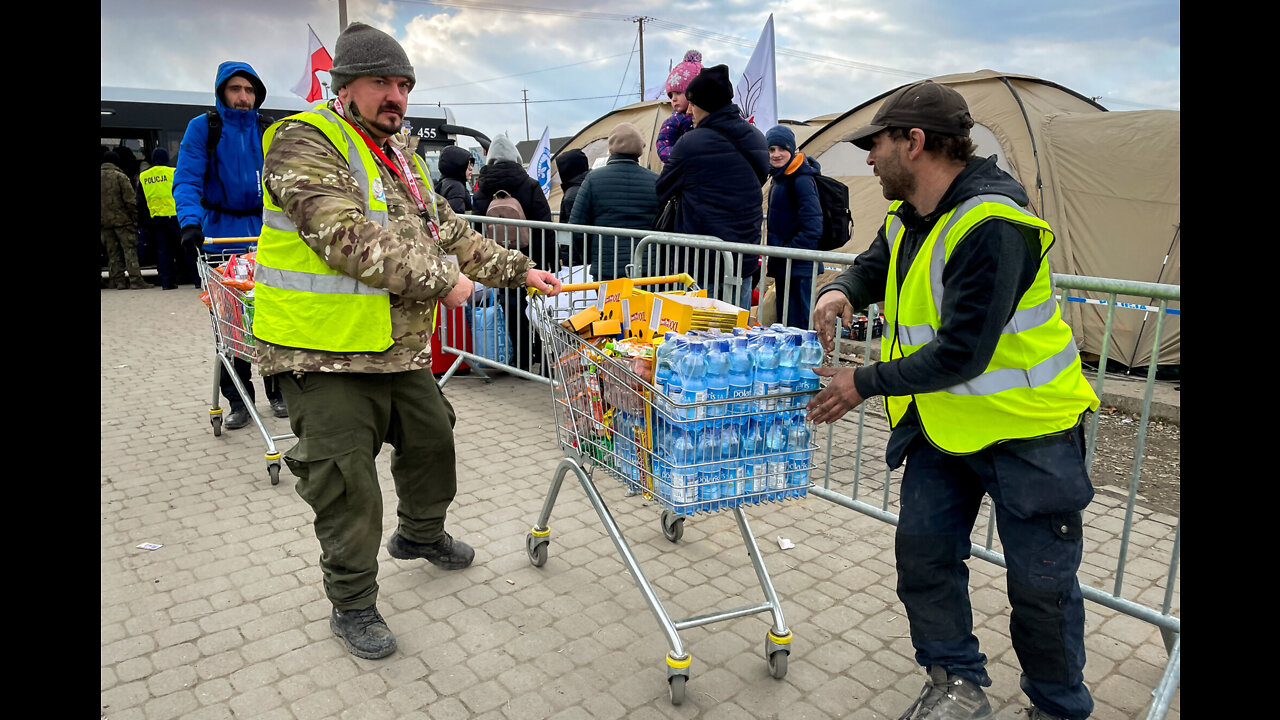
(925, 105)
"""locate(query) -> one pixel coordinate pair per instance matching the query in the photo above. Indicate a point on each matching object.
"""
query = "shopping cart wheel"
(676, 688)
(777, 648)
(537, 549)
(274, 471)
(778, 663)
(216, 421)
(672, 525)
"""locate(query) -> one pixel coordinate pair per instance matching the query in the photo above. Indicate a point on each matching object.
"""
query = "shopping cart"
(230, 301)
(610, 416)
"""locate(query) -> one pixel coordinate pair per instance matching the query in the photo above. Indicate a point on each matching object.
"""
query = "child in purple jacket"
(681, 121)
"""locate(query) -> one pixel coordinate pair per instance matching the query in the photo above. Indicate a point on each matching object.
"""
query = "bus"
(143, 119)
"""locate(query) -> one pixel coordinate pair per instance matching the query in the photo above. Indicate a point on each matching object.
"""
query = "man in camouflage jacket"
(344, 405)
(120, 226)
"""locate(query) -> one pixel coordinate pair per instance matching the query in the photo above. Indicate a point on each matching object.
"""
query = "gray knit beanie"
(365, 50)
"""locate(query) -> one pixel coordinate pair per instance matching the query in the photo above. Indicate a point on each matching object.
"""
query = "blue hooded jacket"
(234, 180)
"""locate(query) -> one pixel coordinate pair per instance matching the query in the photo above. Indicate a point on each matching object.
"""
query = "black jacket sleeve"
(984, 279)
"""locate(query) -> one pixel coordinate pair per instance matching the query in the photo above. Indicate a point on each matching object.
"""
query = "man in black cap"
(716, 172)
(983, 389)
(352, 264)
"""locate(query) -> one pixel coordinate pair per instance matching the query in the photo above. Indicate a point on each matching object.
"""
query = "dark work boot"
(1035, 713)
(238, 418)
(364, 632)
(446, 552)
(278, 408)
(949, 697)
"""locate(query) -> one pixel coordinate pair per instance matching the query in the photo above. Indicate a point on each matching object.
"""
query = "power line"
(677, 27)
(531, 72)
(519, 102)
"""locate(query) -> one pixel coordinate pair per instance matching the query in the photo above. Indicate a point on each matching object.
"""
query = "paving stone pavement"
(227, 619)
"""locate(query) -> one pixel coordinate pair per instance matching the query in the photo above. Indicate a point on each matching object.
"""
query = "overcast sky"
(575, 58)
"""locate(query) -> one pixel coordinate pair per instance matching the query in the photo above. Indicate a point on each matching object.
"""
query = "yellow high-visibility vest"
(301, 302)
(157, 188)
(1033, 384)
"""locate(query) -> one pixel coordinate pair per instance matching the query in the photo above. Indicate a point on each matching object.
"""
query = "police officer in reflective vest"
(356, 253)
(156, 186)
(983, 389)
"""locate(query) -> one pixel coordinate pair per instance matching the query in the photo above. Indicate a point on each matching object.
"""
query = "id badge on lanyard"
(400, 167)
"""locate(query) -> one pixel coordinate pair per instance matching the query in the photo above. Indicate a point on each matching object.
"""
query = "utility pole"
(342, 15)
(640, 20)
(526, 114)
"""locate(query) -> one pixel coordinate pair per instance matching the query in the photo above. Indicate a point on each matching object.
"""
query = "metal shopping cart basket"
(609, 416)
(230, 302)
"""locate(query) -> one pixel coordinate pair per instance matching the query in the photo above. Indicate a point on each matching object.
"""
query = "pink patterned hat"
(681, 74)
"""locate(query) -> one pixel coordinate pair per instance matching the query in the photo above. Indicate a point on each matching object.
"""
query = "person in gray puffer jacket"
(621, 194)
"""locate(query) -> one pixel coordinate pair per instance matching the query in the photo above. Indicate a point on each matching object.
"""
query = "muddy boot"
(949, 697)
(446, 552)
(364, 632)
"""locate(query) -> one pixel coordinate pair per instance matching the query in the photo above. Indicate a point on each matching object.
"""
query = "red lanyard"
(400, 168)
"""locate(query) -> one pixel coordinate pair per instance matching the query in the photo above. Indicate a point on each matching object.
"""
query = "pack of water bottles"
(722, 424)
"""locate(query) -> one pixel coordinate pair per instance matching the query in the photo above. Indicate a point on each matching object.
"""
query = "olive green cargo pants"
(342, 420)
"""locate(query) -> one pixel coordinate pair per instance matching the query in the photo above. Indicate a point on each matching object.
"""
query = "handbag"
(489, 338)
(666, 220)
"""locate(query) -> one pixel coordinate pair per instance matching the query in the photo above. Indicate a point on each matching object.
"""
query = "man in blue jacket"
(218, 192)
(717, 170)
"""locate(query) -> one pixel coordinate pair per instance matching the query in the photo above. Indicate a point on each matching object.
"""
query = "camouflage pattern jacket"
(308, 179)
(119, 208)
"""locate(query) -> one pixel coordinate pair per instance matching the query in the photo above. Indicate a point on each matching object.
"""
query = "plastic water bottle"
(798, 458)
(766, 374)
(684, 470)
(775, 443)
(675, 384)
(709, 481)
(731, 476)
(741, 378)
(755, 466)
(691, 369)
(662, 371)
(622, 446)
(788, 368)
(810, 358)
(717, 377)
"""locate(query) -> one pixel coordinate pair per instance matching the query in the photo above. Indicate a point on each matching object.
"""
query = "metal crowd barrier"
(843, 478)
(560, 252)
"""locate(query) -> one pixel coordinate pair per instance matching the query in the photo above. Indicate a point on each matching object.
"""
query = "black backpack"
(211, 161)
(837, 221)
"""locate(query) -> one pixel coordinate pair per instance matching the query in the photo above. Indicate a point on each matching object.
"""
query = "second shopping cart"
(693, 455)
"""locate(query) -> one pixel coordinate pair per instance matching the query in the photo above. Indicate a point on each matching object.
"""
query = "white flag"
(757, 91)
(540, 164)
(655, 92)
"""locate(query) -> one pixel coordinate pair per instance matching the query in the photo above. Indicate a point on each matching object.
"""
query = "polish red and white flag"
(308, 88)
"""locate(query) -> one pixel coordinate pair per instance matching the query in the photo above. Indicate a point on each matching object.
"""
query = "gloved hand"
(192, 237)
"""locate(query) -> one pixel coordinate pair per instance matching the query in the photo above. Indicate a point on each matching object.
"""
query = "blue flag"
(540, 164)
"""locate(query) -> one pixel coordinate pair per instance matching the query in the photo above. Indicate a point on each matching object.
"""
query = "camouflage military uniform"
(120, 228)
(344, 406)
(310, 182)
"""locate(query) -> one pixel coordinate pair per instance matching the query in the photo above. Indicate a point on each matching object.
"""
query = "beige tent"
(648, 116)
(1107, 182)
(593, 140)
